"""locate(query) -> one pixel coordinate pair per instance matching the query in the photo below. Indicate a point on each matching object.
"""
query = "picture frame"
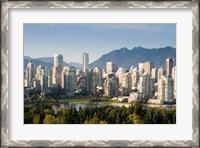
(5, 82)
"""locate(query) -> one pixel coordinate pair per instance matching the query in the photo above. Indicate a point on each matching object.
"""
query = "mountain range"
(126, 58)
(123, 57)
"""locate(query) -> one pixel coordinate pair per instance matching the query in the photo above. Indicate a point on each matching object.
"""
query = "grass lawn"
(75, 101)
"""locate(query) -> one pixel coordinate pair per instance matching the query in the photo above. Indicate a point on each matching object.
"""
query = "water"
(65, 105)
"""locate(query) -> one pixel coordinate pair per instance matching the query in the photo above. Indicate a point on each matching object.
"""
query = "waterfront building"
(135, 96)
(90, 82)
(169, 66)
(93, 80)
(165, 88)
(30, 74)
(125, 83)
(57, 69)
(111, 86)
(98, 76)
(145, 85)
(174, 80)
(81, 83)
(111, 67)
(43, 82)
(119, 74)
(49, 77)
(69, 80)
(40, 70)
(85, 62)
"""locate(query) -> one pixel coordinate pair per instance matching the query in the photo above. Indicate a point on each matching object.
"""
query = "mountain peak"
(169, 47)
(124, 57)
(124, 49)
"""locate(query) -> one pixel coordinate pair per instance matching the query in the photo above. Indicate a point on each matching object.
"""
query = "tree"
(49, 119)
(103, 122)
(36, 119)
(117, 120)
(135, 119)
(137, 108)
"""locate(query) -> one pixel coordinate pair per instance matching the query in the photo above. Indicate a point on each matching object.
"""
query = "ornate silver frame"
(5, 142)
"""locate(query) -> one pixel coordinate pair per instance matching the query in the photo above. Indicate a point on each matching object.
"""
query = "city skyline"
(44, 40)
(138, 82)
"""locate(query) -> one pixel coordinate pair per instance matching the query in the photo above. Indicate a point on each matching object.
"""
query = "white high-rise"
(160, 73)
(111, 67)
(30, 74)
(165, 88)
(174, 80)
(85, 62)
(145, 85)
(58, 59)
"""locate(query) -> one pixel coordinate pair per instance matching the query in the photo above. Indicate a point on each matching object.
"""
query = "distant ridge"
(123, 57)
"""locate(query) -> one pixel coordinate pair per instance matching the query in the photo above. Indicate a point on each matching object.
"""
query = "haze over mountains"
(122, 57)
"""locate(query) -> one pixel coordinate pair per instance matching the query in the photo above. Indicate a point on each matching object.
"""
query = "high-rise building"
(69, 80)
(43, 82)
(165, 88)
(140, 68)
(111, 67)
(174, 80)
(30, 74)
(49, 77)
(169, 66)
(40, 70)
(148, 66)
(135, 76)
(57, 69)
(85, 62)
(126, 83)
(98, 76)
(161, 88)
(58, 59)
(90, 82)
(160, 73)
(145, 85)
(119, 74)
(111, 86)
(154, 74)
(41, 77)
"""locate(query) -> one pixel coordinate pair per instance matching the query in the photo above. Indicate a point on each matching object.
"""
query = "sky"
(72, 40)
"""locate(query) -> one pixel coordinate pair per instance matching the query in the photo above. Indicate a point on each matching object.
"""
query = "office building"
(165, 88)
(154, 74)
(30, 74)
(174, 80)
(161, 73)
(145, 85)
(111, 87)
(57, 69)
(111, 67)
(169, 66)
(69, 80)
(85, 62)
(147, 66)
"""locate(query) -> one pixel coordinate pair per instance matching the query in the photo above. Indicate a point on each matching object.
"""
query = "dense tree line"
(40, 113)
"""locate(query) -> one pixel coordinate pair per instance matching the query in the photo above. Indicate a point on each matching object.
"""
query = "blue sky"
(71, 40)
